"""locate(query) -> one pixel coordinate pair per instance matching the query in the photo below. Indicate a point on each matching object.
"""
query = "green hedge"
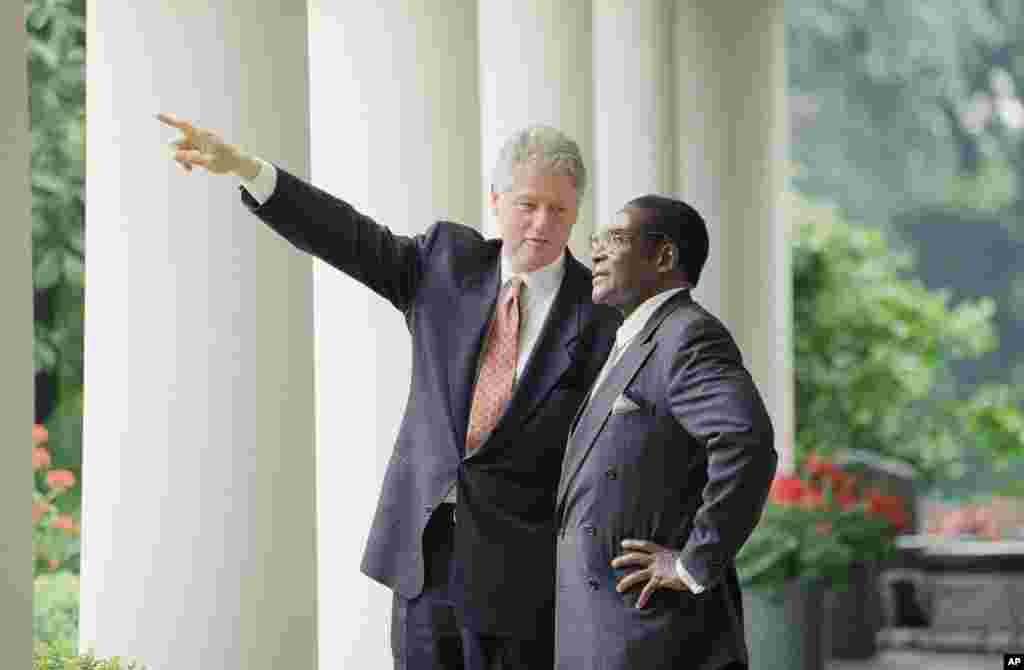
(55, 610)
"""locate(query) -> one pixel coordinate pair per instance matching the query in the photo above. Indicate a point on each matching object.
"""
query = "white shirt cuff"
(262, 186)
(687, 578)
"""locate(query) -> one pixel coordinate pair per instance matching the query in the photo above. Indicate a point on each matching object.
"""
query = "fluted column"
(634, 127)
(15, 345)
(396, 132)
(198, 511)
(535, 67)
(730, 107)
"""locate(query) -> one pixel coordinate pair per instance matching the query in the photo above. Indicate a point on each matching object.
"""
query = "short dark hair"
(682, 225)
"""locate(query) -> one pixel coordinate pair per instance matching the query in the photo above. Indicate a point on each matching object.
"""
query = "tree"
(873, 349)
(909, 117)
(56, 62)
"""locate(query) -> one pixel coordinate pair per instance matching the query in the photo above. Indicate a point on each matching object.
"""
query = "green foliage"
(870, 84)
(817, 524)
(54, 548)
(58, 657)
(992, 418)
(56, 498)
(905, 111)
(873, 350)
(56, 66)
(55, 610)
(889, 101)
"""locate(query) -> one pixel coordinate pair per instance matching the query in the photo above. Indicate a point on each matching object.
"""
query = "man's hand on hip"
(657, 567)
(207, 149)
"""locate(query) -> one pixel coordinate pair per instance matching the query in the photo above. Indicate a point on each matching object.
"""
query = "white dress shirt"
(627, 332)
(535, 300)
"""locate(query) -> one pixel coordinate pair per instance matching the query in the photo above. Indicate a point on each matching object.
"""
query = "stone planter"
(853, 616)
(784, 626)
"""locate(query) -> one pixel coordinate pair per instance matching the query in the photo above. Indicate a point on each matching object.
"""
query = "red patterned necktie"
(498, 367)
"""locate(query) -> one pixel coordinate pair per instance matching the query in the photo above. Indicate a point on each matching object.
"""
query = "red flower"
(845, 500)
(38, 510)
(39, 435)
(60, 480)
(63, 522)
(40, 458)
(826, 473)
(890, 507)
(786, 490)
(53, 563)
(813, 499)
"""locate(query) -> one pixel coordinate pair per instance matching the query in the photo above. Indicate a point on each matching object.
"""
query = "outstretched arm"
(313, 220)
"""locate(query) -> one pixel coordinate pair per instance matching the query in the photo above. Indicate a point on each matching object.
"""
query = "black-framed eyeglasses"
(617, 240)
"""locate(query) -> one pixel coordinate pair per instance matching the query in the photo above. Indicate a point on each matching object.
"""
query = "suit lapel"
(553, 353)
(470, 318)
(593, 414)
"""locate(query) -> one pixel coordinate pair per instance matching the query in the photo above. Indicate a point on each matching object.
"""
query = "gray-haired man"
(506, 341)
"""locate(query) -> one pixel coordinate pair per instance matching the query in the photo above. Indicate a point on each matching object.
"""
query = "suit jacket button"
(593, 584)
(590, 530)
(611, 474)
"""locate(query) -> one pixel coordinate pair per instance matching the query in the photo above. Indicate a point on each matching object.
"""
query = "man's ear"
(492, 200)
(666, 260)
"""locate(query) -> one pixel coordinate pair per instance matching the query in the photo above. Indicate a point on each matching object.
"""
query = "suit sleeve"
(316, 222)
(714, 399)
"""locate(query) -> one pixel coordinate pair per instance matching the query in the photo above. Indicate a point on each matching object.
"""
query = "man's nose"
(544, 218)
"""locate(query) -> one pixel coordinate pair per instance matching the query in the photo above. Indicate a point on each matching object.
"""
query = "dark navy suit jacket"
(687, 464)
(445, 282)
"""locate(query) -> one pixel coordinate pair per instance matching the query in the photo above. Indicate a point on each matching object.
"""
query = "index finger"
(642, 545)
(175, 122)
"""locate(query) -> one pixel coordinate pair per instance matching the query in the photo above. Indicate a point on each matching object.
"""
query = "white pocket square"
(623, 404)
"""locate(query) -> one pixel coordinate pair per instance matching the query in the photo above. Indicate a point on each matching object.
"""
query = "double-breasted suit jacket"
(685, 461)
(445, 282)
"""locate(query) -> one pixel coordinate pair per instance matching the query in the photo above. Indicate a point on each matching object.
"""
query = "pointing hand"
(206, 148)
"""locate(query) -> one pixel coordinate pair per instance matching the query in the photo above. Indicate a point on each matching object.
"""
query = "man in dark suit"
(668, 465)
(505, 342)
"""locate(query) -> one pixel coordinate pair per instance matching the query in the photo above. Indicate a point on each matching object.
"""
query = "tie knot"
(513, 287)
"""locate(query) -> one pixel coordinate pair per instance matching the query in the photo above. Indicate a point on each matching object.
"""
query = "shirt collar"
(540, 283)
(636, 321)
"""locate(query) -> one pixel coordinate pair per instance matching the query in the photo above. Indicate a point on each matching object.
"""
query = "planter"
(853, 616)
(784, 626)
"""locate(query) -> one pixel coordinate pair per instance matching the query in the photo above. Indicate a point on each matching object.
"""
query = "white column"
(535, 67)
(395, 127)
(730, 101)
(16, 394)
(199, 537)
(634, 127)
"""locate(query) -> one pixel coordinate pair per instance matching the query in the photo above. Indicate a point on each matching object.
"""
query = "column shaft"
(16, 387)
(732, 159)
(198, 511)
(634, 105)
(395, 122)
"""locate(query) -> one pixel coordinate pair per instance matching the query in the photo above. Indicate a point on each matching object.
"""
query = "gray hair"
(550, 149)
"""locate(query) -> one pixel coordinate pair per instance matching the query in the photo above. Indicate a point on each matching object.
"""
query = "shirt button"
(611, 474)
(428, 509)
(593, 584)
